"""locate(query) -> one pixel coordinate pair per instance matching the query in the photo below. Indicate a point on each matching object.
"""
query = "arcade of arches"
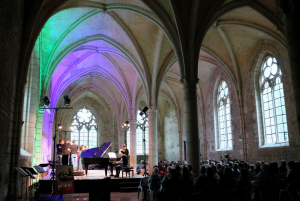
(221, 75)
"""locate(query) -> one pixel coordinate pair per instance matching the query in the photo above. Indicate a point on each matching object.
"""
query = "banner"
(184, 149)
(64, 179)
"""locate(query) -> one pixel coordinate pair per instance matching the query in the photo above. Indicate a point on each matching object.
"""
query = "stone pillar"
(132, 149)
(38, 138)
(181, 146)
(152, 130)
(191, 123)
(121, 137)
(291, 21)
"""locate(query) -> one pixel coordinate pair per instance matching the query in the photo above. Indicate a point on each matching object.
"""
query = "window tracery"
(224, 132)
(85, 128)
(139, 137)
(273, 103)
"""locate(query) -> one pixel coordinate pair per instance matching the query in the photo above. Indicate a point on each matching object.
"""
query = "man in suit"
(66, 150)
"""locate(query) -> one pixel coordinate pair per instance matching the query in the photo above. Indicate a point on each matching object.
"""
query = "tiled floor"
(114, 196)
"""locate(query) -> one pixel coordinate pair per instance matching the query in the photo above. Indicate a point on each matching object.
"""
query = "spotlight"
(46, 100)
(67, 100)
(59, 126)
(71, 127)
(125, 125)
(144, 111)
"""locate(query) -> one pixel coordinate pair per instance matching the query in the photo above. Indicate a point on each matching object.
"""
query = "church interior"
(218, 77)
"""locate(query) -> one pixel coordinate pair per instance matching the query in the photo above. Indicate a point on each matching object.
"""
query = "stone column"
(121, 137)
(291, 21)
(38, 138)
(181, 146)
(191, 123)
(152, 130)
(132, 149)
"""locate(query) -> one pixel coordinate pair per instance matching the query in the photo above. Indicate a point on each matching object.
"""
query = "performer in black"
(125, 150)
(66, 150)
(59, 151)
(123, 163)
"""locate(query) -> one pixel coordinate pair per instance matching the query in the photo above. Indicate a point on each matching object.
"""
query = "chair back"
(144, 181)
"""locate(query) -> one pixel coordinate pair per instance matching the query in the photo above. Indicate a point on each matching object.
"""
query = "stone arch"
(210, 115)
(265, 49)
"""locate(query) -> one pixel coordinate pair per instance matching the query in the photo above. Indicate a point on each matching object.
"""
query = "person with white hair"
(140, 167)
(154, 181)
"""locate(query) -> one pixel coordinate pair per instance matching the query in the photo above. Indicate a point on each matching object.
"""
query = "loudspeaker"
(65, 159)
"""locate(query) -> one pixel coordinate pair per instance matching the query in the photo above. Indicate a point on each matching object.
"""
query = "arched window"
(224, 131)
(85, 128)
(273, 104)
(140, 137)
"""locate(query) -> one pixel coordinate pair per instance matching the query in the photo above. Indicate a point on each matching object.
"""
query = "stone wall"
(168, 134)
(11, 37)
(252, 125)
(171, 135)
(210, 118)
(250, 109)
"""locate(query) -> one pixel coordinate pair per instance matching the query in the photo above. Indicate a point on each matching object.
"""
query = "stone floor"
(114, 196)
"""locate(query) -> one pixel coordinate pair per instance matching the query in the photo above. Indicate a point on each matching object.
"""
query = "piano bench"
(127, 170)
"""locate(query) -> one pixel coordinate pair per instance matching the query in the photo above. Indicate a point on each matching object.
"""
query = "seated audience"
(243, 187)
(172, 187)
(155, 181)
(187, 184)
(238, 180)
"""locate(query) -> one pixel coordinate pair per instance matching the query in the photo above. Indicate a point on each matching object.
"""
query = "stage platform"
(83, 184)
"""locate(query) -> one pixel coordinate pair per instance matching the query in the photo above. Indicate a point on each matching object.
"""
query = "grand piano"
(94, 156)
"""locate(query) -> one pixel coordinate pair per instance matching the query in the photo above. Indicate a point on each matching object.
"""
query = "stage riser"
(83, 186)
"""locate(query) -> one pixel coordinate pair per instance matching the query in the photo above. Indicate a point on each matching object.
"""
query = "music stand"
(39, 169)
(30, 169)
(44, 165)
(23, 174)
(29, 172)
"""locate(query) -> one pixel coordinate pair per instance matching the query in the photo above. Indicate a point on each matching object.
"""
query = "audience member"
(237, 180)
(172, 187)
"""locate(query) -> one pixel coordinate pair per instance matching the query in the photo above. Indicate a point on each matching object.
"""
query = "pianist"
(123, 163)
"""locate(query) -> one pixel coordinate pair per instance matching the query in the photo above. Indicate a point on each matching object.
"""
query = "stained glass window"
(273, 103)
(85, 128)
(224, 117)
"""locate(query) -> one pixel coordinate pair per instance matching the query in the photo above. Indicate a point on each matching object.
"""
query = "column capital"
(132, 121)
(152, 107)
(189, 81)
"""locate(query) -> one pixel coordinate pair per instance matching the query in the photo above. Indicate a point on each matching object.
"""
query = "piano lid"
(98, 151)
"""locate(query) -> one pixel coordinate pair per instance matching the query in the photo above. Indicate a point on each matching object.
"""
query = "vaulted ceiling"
(120, 51)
